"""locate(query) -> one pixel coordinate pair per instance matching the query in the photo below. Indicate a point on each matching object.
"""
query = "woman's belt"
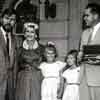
(51, 77)
(73, 83)
(28, 67)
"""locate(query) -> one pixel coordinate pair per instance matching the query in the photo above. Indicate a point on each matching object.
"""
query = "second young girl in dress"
(51, 72)
(72, 77)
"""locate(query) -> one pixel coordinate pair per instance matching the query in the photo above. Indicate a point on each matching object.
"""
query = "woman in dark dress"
(29, 76)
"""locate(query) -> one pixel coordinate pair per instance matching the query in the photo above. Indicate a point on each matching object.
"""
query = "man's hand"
(79, 56)
(96, 61)
(98, 57)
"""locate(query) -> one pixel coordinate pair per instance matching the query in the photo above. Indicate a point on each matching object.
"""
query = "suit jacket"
(7, 64)
(4, 59)
(92, 72)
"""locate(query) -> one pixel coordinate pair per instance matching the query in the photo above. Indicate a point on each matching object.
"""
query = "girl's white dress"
(51, 79)
(71, 91)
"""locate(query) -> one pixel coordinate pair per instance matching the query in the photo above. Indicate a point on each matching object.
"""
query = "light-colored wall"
(97, 1)
(65, 30)
(75, 21)
(56, 29)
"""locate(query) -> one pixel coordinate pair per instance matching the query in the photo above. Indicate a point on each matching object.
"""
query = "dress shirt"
(5, 38)
(4, 34)
(95, 29)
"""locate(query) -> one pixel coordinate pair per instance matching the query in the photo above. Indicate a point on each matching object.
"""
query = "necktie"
(7, 38)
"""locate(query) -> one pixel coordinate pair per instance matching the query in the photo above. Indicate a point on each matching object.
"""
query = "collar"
(26, 46)
(3, 31)
(95, 29)
(97, 26)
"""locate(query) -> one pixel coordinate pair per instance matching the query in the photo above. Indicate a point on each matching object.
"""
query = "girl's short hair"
(73, 52)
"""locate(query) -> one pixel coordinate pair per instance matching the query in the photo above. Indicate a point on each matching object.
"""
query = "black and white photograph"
(49, 49)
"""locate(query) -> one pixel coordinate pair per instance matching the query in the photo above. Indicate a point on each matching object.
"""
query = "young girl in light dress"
(72, 77)
(51, 72)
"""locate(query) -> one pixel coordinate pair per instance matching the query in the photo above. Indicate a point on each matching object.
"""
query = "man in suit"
(7, 54)
(91, 36)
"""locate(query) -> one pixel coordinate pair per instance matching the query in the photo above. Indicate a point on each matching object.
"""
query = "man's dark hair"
(95, 8)
(9, 12)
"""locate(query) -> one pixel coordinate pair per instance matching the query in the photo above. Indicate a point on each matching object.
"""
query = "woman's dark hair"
(73, 52)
